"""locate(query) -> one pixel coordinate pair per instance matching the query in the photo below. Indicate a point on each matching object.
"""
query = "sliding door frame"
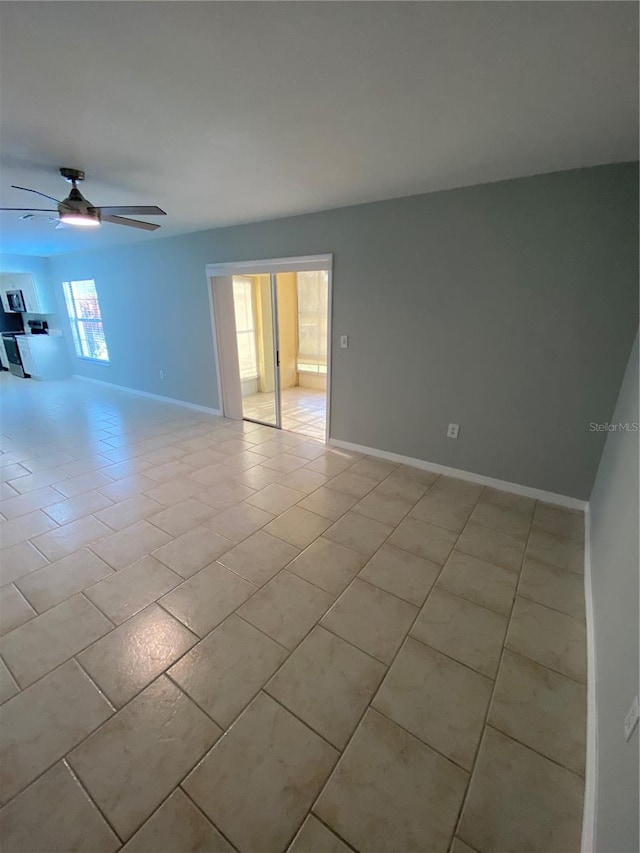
(275, 325)
(219, 285)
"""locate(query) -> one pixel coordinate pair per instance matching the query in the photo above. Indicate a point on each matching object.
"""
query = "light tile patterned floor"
(304, 410)
(220, 637)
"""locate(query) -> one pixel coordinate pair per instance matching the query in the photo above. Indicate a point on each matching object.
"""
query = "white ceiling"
(233, 112)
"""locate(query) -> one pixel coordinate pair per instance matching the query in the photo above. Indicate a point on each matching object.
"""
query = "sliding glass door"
(255, 304)
(303, 309)
(274, 356)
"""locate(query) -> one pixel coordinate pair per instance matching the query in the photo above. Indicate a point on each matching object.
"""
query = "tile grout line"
(81, 592)
(554, 609)
(554, 761)
(99, 609)
(485, 724)
(550, 669)
(290, 652)
(299, 719)
(369, 705)
(449, 657)
(325, 824)
(13, 675)
(193, 802)
(80, 742)
(67, 659)
(469, 772)
(190, 770)
(98, 728)
(276, 517)
(84, 788)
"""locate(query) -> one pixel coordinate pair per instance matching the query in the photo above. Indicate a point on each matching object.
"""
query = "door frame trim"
(271, 266)
(275, 324)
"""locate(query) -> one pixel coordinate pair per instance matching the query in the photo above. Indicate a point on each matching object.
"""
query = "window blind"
(85, 320)
(313, 293)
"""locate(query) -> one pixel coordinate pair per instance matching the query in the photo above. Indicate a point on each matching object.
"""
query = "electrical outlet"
(344, 341)
(631, 720)
(162, 374)
(452, 430)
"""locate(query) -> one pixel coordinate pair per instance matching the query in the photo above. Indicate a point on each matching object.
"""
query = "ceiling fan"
(75, 209)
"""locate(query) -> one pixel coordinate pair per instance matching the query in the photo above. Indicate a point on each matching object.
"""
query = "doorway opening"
(281, 333)
(280, 315)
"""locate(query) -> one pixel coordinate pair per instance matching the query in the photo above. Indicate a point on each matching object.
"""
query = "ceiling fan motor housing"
(76, 203)
(75, 208)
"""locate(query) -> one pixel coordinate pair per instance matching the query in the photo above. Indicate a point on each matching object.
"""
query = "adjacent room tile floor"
(304, 410)
(216, 636)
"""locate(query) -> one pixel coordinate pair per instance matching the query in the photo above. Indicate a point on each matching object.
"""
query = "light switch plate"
(344, 341)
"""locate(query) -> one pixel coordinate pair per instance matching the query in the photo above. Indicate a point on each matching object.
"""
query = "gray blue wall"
(614, 515)
(508, 308)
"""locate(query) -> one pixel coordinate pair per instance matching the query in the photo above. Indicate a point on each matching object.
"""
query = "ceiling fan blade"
(133, 223)
(133, 210)
(30, 209)
(37, 192)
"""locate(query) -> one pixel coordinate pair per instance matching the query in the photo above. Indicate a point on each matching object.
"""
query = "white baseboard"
(503, 485)
(150, 396)
(588, 844)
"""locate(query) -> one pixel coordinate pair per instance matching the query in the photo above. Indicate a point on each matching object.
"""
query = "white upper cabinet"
(36, 299)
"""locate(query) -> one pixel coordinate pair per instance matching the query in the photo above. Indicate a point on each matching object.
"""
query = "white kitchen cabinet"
(37, 300)
(26, 355)
(43, 356)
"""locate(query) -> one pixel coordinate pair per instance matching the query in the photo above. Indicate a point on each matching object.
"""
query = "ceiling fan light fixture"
(89, 219)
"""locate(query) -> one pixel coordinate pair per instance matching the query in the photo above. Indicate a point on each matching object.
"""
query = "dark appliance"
(13, 355)
(9, 323)
(15, 301)
(38, 327)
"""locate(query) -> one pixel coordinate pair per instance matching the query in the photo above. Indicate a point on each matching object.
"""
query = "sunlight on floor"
(304, 410)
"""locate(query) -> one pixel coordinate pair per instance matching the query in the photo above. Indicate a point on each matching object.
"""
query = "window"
(245, 327)
(85, 320)
(313, 294)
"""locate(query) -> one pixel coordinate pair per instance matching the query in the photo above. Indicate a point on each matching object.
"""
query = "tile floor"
(220, 637)
(303, 410)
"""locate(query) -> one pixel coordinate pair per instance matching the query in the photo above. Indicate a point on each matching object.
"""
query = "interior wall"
(614, 514)
(508, 308)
